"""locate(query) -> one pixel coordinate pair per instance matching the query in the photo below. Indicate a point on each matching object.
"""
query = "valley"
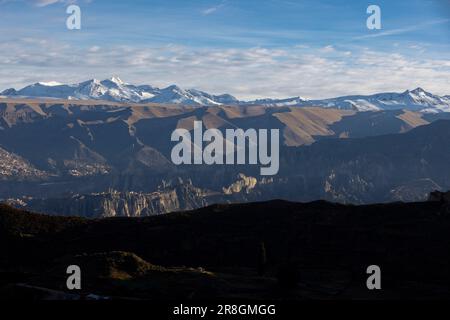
(68, 152)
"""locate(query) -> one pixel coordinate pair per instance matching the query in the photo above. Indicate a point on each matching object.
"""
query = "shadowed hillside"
(323, 248)
(83, 162)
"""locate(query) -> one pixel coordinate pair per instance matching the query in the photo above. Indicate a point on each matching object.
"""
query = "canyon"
(98, 158)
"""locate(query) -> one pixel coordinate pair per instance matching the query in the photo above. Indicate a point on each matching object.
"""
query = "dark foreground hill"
(276, 250)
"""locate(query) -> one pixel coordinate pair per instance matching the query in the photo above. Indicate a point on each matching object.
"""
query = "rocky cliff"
(119, 204)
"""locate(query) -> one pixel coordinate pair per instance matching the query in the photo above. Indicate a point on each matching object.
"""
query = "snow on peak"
(117, 80)
(50, 84)
(114, 89)
(419, 90)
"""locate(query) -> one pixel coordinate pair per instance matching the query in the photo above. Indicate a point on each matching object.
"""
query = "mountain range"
(97, 158)
(116, 90)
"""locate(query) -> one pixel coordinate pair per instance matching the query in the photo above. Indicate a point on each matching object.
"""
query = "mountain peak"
(418, 90)
(49, 84)
(90, 81)
(174, 87)
(116, 80)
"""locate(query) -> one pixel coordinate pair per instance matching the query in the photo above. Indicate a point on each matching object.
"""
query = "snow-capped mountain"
(176, 95)
(112, 89)
(415, 100)
(296, 101)
(115, 89)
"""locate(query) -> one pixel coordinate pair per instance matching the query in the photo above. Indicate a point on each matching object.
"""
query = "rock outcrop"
(119, 204)
(438, 196)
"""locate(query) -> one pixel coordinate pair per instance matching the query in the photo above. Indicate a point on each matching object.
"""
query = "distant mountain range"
(116, 90)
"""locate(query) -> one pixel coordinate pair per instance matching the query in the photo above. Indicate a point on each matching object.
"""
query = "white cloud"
(43, 3)
(212, 9)
(390, 32)
(247, 73)
(94, 49)
(326, 49)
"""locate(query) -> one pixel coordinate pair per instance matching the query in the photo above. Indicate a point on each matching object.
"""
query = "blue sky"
(252, 49)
